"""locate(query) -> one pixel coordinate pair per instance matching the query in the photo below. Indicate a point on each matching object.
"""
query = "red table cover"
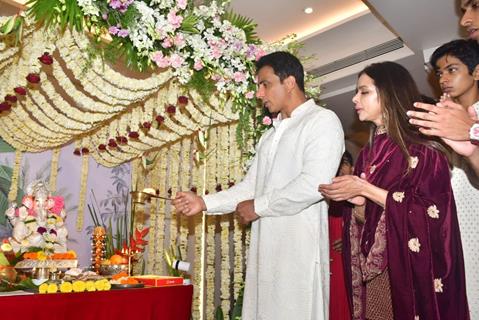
(169, 303)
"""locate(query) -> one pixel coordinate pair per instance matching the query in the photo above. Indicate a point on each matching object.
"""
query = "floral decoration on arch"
(207, 47)
(199, 66)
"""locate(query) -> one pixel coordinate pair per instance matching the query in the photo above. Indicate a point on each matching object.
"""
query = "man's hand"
(245, 212)
(188, 203)
(446, 120)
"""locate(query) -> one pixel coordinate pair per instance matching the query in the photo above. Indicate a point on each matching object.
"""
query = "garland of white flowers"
(12, 194)
(54, 170)
(83, 190)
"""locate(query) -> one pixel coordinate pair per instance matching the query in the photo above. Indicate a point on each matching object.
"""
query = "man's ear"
(290, 82)
(475, 73)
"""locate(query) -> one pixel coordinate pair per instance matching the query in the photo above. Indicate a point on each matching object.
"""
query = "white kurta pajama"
(287, 273)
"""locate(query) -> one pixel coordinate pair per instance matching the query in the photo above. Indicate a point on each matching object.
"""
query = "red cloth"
(338, 303)
(169, 303)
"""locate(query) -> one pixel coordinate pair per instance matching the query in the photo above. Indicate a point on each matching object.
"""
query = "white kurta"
(467, 203)
(287, 274)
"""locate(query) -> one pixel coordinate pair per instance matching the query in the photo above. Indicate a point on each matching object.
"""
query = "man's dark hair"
(467, 51)
(284, 64)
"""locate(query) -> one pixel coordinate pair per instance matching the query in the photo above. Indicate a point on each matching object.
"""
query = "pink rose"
(198, 65)
(181, 4)
(179, 40)
(239, 77)
(249, 95)
(176, 60)
(174, 20)
(267, 121)
(160, 60)
(166, 43)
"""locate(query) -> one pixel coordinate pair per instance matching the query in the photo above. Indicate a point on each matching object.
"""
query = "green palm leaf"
(50, 13)
(244, 23)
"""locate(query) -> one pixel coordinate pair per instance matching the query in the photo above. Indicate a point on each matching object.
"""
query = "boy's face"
(454, 77)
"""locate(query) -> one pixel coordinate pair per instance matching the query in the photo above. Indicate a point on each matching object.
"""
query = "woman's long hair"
(397, 93)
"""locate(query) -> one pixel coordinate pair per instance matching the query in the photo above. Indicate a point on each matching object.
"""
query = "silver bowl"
(112, 269)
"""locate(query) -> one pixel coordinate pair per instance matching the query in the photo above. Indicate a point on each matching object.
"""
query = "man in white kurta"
(287, 273)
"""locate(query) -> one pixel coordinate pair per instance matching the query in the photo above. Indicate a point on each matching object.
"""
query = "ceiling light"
(308, 10)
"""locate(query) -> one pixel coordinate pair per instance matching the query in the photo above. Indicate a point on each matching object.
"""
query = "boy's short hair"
(467, 51)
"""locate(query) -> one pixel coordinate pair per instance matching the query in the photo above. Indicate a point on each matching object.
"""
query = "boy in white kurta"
(287, 273)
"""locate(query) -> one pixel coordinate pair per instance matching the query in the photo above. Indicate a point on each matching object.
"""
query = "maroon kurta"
(415, 239)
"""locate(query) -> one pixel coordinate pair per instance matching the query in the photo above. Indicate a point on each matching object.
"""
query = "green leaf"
(189, 23)
(219, 314)
(244, 23)
(7, 27)
(3, 260)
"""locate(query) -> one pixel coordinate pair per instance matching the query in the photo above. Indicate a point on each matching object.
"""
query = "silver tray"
(127, 285)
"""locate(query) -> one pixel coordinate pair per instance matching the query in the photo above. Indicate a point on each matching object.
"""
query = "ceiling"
(357, 27)
(339, 32)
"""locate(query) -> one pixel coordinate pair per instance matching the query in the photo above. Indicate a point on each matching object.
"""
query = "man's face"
(470, 18)
(454, 77)
(271, 91)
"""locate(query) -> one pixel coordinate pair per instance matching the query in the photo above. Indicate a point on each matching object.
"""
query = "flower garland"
(12, 194)
(184, 183)
(83, 189)
(173, 187)
(54, 170)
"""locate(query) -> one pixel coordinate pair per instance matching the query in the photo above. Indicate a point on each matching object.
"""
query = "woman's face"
(366, 100)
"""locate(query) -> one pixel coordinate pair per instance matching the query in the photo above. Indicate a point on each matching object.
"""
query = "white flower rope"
(54, 170)
(12, 194)
(83, 190)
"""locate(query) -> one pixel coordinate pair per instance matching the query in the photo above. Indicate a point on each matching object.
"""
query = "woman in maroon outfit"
(402, 245)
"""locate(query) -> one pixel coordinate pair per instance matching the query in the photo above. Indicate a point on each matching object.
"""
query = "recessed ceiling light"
(308, 10)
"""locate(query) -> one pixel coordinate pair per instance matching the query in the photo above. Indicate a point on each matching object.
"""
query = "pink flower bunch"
(120, 5)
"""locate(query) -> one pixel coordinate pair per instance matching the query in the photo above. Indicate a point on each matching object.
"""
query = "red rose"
(102, 147)
(46, 58)
(230, 184)
(193, 189)
(218, 187)
(121, 140)
(20, 90)
(134, 135)
(146, 125)
(160, 119)
(5, 106)
(33, 78)
(171, 109)
(77, 151)
(85, 151)
(112, 143)
(182, 100)
(11, 98)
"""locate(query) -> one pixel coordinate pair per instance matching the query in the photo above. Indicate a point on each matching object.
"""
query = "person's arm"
(473, 160)
(445, 120)
(324, 146)
(349, 187)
